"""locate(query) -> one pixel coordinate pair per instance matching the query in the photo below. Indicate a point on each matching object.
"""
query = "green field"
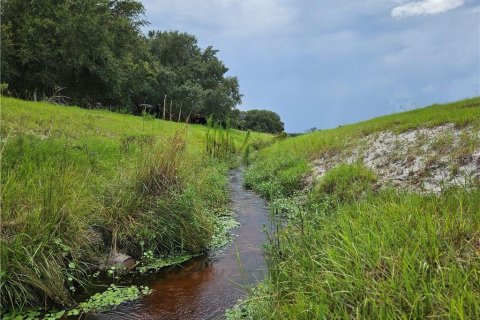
(346, 248)
(79, 184)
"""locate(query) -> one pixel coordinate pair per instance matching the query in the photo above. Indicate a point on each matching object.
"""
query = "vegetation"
(150, 263)
(346, 248)
(79, 186)
(260, 121)
(92, 53)
(104, 301)
(110, 298)
(219, 142)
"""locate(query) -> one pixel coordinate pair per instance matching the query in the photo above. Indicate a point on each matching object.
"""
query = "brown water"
(204, 287)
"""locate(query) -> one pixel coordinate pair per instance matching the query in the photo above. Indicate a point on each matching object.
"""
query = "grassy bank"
(348, 247)
(81, 185)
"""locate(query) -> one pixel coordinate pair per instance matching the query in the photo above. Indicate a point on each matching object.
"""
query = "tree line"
(92, 53)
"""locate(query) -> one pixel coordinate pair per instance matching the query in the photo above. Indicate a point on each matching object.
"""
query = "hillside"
(379, 219)
(81, 189)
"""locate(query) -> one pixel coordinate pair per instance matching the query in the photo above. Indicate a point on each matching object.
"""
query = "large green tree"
(200, 84)
(260, 120)
(88, 47)
(95, 51)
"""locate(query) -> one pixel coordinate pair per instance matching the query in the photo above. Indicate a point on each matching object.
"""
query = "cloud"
(227, 17)
(323, 63)
(425, 7)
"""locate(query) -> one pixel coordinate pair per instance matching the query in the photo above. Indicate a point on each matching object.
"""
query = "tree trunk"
(180, 112)
(164, 104)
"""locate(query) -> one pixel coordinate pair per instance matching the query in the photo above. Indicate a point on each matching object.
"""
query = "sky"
(326, 63)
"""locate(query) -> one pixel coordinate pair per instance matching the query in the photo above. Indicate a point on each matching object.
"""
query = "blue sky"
(331, 62)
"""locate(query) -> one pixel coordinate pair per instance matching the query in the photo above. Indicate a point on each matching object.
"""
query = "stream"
(207, 285)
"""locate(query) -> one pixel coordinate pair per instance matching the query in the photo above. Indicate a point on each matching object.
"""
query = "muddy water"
(204, 287)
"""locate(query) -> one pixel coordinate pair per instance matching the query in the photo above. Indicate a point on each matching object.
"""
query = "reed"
(219, 142)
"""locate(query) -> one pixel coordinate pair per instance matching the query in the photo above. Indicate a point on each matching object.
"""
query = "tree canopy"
(261, 121)
(94, 52)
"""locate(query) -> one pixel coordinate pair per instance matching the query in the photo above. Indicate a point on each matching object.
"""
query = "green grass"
(390, 256)
(343, 184)
(346, 249)
(48, 120)
(78, 184)
(274, 177)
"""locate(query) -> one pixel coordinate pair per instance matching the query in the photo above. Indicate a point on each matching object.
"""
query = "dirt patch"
(426, 160)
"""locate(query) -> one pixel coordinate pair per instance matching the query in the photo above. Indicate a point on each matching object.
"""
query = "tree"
(88, 47)
(96, 52)
(200, 84)
(261, 121)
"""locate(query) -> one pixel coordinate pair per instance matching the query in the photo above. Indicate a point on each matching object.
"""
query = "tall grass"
(43, 220)
(219, 142)
(385, 255)
(280, 176)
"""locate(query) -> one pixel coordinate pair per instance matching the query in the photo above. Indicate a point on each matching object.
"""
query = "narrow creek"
(205, 286)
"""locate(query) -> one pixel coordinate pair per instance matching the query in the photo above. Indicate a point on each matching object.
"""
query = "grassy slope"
(460, 113)
(350, 250)
(76, 183)
(50, 120)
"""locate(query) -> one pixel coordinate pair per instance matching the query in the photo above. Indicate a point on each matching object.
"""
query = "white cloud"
(425, 7)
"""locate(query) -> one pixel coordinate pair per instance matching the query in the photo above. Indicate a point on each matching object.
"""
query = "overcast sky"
(330, 62)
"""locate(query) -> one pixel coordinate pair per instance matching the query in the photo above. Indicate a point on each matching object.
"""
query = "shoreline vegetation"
(80, 187)
(348, 245)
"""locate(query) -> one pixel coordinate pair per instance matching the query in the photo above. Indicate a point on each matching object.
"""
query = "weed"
(149, 263)
(110, 298)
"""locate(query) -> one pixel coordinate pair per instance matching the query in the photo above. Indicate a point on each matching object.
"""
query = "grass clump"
(345, 183)
(41, 227)
(219, 142)
(276, 177)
